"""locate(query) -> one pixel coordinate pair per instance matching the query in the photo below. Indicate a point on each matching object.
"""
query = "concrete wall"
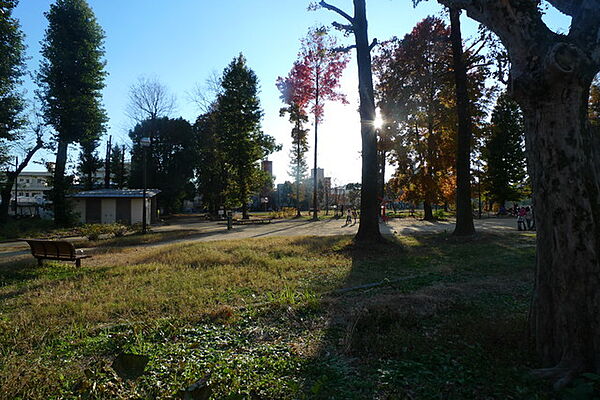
(136, 211)
(79, 208)
(109, 211)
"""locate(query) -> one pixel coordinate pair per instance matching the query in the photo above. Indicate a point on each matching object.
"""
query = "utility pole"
(145, 143)
(107, 164)
(123, 166)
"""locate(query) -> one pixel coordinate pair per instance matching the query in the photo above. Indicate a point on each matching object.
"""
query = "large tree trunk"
(563, 165)
(427, 211)
(368, 229)
(61, 216)
(464, 214)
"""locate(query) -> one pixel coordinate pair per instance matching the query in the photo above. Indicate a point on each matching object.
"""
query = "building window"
(26, 194)
(27, 180)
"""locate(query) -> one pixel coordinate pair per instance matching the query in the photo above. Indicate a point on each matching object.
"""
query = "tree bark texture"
(563, 168)
(61, 216)
(427, 211)
(464, 213)
(550, 78)
(368, 229)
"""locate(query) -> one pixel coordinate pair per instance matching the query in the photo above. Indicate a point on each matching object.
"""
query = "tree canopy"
(71, 78)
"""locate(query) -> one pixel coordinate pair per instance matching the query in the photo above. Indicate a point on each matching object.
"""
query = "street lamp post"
(16, 185)
(145, 143)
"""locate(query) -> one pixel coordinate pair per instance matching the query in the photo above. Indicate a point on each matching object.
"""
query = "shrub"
(284, 212)
(439, 215)
(94, 231)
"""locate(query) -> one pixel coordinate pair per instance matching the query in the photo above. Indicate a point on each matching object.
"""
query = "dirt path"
(203, 231)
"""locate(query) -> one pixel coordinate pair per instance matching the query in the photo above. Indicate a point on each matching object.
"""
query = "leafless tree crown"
(149, 99)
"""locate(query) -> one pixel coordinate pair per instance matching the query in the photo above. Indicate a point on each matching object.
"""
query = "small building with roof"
(107, 206)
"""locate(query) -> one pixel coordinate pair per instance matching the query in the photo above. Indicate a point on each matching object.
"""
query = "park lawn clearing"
(266, 319)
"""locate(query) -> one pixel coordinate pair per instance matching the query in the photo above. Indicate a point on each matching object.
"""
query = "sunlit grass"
(235, 308)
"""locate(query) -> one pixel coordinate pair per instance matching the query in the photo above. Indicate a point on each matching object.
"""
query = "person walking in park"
(521, 219)
(354, 215)
(349, 216)
(528, 218)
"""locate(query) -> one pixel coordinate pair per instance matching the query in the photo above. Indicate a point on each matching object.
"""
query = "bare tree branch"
(337, 10)
(344, 49)
(204, 95)
(343, 27)
(149, 99)
(373, 44)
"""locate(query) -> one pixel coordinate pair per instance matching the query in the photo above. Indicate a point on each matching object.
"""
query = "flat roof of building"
(113, 193)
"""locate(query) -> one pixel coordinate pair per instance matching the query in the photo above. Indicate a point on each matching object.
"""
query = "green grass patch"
(264, 319)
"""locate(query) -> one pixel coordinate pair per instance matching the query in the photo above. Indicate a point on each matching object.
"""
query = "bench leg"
(78, 263)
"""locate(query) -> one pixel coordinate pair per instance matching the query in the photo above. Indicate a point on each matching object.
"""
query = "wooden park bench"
(55, 250)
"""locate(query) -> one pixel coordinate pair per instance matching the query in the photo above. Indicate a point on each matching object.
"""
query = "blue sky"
(183, 41)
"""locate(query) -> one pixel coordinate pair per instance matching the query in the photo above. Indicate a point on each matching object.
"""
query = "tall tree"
(12, 53)
(12, 68)
(89, 164)
(170, 161)
(551, 75)
(417, 97)
(212, 172)
(504, 152)
(464, 213)
(415, 91)
(316, 79)
(291, 95)
(71, 78)
(368, 230)
(119, 175)
(239, 117)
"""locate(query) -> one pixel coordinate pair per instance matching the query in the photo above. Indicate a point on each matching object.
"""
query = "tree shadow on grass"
(449, 331)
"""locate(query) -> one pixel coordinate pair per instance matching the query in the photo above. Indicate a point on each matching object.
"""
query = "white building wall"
(79, 208)
(136, 211)
(109, 211)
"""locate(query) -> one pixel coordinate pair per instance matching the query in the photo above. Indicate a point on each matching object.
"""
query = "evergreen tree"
(117, 166)
(504, 152)
(12, 53)
(89, 164)
(239, 117)
(212, 172)
(169, 162)
(72, 78)
(12, 68)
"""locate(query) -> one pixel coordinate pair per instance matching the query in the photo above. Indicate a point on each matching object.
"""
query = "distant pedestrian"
(521, 219)
(528, 218)
(354, 215)
(349, 216)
